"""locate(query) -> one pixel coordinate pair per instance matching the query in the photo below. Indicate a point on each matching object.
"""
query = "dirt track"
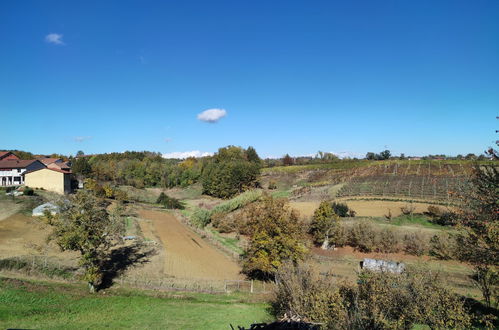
(186, 254)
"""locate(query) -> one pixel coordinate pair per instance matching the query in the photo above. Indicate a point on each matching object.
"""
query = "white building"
(12, 170)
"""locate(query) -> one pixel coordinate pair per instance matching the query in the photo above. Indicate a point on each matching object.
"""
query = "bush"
(169, 202)
(224, 222)
(443, 247)
(408, 209)
(272, 185)
(201, 217)
(378, 300)
(415, 244)
(28, 191)
(446, 219)
(388, 241)
(362, 236)
(340, 209)
(434, 211)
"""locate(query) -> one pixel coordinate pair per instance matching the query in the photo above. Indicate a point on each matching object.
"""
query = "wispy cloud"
(212, 115)
(187, 154)
(54, 38)
(81, 138)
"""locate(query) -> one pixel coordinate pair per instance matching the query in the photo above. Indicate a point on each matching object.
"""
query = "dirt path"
(186, 254)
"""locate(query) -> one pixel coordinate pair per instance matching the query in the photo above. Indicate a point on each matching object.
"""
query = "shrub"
(387, 241)
(362, 236)
(272, 185)
(434, 211)
(340, 209)
(224, 222)
(408, 209)
(169, 202)
(28, 191)
(378, 300)
(446, 219)
(415, 244)
(443, 247)
(201, 217)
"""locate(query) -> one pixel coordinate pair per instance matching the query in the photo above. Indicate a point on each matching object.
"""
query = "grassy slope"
(25, 304)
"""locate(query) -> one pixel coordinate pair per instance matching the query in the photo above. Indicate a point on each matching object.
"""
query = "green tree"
(81, 167)
(478, 239)
(276, 234)
(84, 225)
(252, 155)
(325, 226)
(80, 153)
(229, 173)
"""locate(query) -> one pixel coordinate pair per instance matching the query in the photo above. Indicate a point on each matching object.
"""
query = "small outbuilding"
(50, 179)
(382, 266)
(40, 210)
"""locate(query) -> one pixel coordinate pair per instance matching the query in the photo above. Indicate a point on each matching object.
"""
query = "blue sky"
(419, 77)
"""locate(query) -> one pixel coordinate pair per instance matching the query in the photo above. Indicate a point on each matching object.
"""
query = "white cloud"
(54, 38)
(212, 115)
(82, 138)
(187, 154)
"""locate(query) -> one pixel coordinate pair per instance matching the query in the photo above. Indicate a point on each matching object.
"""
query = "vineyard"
(428, 180)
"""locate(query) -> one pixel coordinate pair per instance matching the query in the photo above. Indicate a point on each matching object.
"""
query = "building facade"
(12, 170)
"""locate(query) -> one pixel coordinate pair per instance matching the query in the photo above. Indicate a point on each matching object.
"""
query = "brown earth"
(186, 255)
(21, 235)
(363, 208)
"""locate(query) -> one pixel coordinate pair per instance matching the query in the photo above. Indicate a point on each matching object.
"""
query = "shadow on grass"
(121, 259)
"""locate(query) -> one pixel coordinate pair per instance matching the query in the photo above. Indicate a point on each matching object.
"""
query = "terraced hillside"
(426, 179)
(429, 180)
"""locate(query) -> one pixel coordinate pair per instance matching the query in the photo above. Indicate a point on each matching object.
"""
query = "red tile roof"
(13, 163)
(47, 161)
(50, 169)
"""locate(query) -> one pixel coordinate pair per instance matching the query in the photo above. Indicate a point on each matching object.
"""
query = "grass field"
(30, 305)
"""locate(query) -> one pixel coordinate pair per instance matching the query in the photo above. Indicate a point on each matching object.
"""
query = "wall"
(48, 180)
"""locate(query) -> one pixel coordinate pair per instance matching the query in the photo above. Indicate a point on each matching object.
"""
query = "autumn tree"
(478, 240)
(85, 225)
(287, 160)
(276, 234)
(325, 227)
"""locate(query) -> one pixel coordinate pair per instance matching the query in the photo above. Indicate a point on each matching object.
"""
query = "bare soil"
(21, 235)
(363, 208)
(186, 255)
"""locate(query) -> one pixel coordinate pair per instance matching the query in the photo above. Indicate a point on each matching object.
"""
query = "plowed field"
(186, 255)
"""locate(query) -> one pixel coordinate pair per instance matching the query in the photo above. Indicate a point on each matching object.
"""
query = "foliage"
(201, 217)
(415, 244)
(443, 247)
(230, 172)
(81, 167)
(169, 202)
(287, 160)
(341, 209)
(479, 236)
(85, 225)
(325, 226)
(362, 236)
(28, 191)
(272, 185)
(378, 300)
(276, 234)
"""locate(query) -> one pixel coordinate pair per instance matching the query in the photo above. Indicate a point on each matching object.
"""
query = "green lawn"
(26, 304)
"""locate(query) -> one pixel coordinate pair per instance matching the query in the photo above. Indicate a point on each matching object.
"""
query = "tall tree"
(84, 225)
(276, 234)
(479, 236)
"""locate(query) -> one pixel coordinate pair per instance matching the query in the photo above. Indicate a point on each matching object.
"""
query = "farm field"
(363, 208)
(186, 255)
(343, 263)
(30, 305)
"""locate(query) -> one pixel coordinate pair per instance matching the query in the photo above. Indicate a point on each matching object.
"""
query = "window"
(18, 170)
